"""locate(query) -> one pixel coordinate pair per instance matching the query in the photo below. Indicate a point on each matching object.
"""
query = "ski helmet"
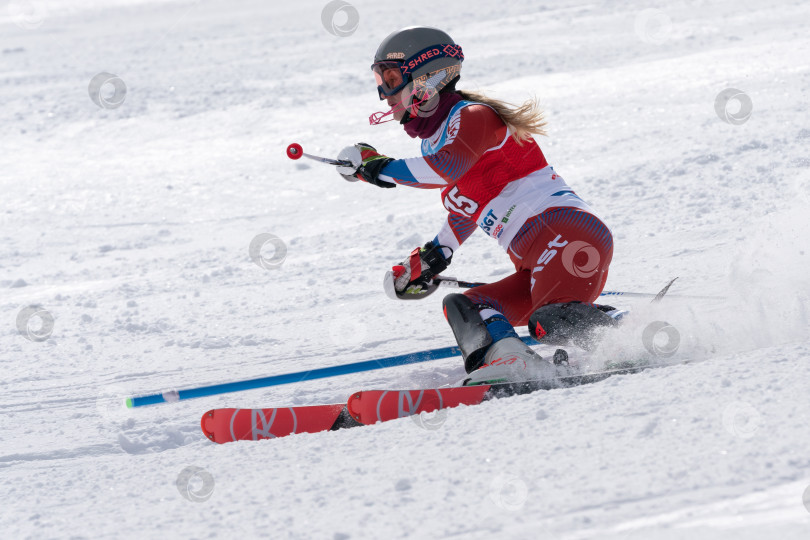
(426, 57)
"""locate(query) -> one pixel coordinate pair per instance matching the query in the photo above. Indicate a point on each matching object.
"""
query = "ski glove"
(414, 275)
(366, 165)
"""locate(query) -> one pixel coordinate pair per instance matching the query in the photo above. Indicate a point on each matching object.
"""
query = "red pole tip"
(294, 151)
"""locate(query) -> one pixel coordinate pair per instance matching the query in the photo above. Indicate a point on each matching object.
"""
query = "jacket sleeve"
(479, 129)
(455, 230)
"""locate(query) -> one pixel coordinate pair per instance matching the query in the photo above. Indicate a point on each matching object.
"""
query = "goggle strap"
(447, 50)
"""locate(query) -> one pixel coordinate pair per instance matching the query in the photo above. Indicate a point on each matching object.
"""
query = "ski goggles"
(389, 78)
(393, 75)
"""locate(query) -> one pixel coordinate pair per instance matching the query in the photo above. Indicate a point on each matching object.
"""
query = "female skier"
(492, 174)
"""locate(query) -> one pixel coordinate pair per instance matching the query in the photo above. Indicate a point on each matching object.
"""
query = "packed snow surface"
(129, 224)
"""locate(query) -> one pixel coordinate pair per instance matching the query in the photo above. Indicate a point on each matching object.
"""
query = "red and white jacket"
(487, 179)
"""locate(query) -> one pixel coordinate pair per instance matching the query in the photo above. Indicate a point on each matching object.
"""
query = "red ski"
(227, 425)
(372, 406)
(364, 408)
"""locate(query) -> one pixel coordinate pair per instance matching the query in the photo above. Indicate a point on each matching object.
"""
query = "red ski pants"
(561, 255)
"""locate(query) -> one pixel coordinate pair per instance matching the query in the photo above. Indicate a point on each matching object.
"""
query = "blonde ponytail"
(523, 121)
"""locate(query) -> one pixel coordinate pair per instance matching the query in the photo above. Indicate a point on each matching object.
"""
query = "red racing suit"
(560, 248)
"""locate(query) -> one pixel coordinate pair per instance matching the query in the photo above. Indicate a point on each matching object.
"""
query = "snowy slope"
(131, 227)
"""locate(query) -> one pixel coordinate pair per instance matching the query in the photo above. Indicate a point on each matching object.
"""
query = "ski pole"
(471, 284)
(294, 151)
(453, 282)
(653, 295)
(298, 376)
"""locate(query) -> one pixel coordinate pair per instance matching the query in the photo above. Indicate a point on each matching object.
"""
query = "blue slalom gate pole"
(299, 376)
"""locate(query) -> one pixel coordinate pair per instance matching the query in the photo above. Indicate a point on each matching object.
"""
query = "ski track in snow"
(131, 227)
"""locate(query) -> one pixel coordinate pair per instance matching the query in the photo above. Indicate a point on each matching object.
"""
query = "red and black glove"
(414, 275)
(366, 165)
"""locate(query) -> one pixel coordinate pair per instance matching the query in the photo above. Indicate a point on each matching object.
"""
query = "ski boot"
(573, 323)
(512, 361)
(494, 354)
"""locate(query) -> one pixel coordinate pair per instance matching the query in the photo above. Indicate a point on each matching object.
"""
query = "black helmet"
(425, 56)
